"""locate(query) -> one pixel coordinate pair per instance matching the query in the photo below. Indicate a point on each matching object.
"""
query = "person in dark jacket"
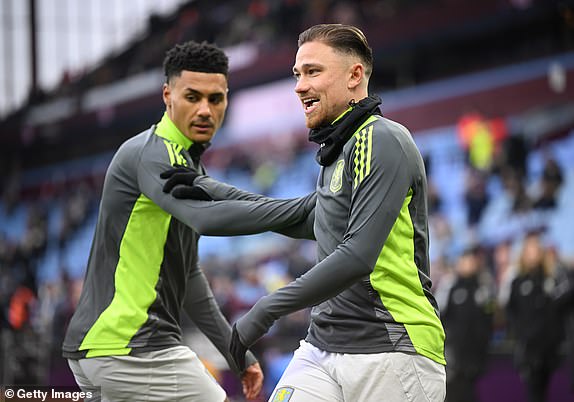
(468, 318)
(533, 319)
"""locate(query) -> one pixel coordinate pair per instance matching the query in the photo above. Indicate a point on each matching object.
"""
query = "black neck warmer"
(333, 137)
(196, 150)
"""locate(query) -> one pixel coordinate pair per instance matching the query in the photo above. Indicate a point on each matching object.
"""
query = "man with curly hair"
(124, 341)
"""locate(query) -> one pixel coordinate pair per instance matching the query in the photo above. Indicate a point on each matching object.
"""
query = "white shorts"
(173, 374)
(314, 375)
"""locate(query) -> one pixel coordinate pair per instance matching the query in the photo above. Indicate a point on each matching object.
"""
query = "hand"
(178, 175)
(183, 177)
(237, 349)
(252, 381)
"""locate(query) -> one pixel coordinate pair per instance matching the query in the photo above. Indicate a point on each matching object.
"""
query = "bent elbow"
(202, 226)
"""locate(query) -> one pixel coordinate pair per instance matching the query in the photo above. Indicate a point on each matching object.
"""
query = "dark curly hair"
(193, 56)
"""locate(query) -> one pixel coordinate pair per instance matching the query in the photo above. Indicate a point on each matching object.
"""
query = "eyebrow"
(196, 92)
(307, 66)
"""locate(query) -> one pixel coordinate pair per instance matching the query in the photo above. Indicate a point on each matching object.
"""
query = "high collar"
(332, 138)
(168, 130)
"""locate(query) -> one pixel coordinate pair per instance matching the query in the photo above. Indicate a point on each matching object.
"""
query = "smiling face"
(327, 80)
(196, 103)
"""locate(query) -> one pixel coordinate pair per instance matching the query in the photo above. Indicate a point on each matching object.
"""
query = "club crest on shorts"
(337, 177)
(283, 394)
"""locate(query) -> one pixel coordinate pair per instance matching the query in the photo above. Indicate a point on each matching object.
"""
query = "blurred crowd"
(268, 24)
(505, 288)
(272, 26)
(513, 295)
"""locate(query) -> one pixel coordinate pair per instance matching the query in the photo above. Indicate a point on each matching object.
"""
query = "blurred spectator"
(513, 155)
(223, 291)
(467, 317)
(481, 138)
(476, 196)
(35, 238)
(247, 289)
(65, 298)
(514, 186)
(434, 199)
(21, 307)
(11, 186)
(533, 319)
(265, 176)
(20, 342)
(550, 184)
(441, 234)
(75, 211)
(564, 298)
(504, 270)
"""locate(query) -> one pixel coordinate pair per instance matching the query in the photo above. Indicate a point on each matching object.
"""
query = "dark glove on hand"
(237, 349)
(183, 177)
(178, 175)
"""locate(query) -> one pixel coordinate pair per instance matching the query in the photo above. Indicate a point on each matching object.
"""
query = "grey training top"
(370, 288)
(143, 265)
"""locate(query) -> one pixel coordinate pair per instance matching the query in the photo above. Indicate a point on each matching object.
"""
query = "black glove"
(183, 177)
(178, 175)
(237, 349)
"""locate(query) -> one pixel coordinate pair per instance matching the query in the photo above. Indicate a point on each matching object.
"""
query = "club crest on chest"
(337, 177)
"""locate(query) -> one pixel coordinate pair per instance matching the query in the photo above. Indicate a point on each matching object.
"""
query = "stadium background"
(486, 87)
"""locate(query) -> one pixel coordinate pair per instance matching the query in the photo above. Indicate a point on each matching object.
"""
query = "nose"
(203, 109)
(302, 85)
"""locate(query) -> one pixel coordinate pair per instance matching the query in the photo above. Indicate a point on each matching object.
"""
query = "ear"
(166, 94)
(357, 75)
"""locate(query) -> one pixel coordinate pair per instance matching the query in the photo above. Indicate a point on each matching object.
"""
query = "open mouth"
(310, 104)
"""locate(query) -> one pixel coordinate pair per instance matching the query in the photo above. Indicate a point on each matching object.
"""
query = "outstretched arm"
(186, 183)
(222, 218)
(231, 218)
(222, 191)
